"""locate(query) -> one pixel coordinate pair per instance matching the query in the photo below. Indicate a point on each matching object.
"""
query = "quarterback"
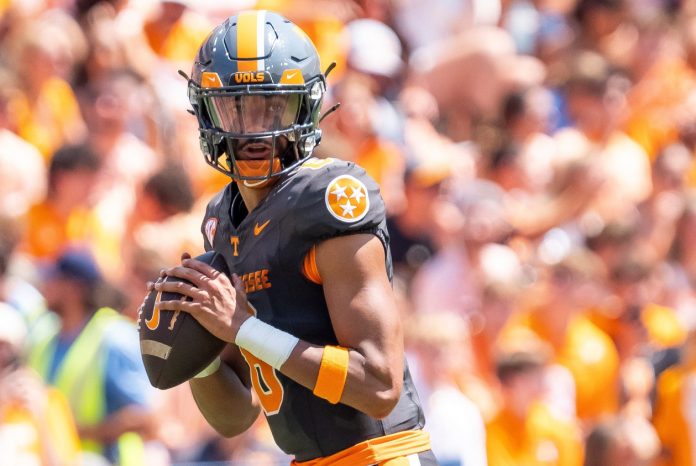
(309, 311)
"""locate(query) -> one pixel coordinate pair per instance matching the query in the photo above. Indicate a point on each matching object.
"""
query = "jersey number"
(266, 383)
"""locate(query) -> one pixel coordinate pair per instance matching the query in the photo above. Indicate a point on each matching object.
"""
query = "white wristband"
(210, 370)
(266, 342)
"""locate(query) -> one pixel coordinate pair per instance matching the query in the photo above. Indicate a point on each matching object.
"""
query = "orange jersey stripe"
(376, 450)
(309, 268)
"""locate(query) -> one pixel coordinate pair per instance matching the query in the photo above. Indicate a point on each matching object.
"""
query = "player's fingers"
(187, 273)
(183, 288)
(203, 268)
(184, 256)
(180, 305)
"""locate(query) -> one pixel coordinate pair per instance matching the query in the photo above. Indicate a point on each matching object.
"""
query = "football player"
(310, 307)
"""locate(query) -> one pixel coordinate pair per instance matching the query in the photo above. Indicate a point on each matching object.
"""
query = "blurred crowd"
(537, 162)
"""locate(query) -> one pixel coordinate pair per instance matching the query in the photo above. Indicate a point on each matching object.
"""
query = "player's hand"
(220, 305)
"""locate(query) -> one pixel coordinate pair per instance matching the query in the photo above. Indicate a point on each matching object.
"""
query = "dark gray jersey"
(267, 248)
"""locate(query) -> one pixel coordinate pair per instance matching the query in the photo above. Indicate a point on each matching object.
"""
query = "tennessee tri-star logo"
(346, 199)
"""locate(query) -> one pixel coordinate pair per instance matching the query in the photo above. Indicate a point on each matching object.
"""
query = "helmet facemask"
(278, 119)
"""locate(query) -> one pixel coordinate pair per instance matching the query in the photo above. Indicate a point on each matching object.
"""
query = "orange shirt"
(674, 420)
(591, 357)
(481, 385)
(183, 39)
(540, 439)
(326, 32)
(52, 120)
(48, 233)
(380, 159)
(25, 439)
(652, 102)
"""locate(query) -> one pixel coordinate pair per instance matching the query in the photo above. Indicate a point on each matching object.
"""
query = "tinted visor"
(247, 114)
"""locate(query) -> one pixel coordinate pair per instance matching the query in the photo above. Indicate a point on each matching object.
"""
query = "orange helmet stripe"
(251, 40)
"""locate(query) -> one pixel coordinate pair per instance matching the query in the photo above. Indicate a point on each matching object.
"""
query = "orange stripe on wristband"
(333, 372)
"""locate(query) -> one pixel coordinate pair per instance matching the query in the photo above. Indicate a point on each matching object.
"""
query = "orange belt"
(376, 450)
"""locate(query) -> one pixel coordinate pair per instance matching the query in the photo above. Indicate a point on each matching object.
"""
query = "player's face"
(255, 115)
(259, 148)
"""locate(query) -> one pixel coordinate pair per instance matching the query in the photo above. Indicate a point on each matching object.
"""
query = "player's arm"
(224, 397)
(365, 320)
(366, 374)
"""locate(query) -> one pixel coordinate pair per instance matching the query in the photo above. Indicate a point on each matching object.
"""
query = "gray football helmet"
(257, 77)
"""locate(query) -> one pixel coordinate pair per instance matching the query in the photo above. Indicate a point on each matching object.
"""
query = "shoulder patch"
(210, 229)
(347, 199)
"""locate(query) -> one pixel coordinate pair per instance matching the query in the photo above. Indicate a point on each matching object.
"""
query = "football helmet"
(257, 81)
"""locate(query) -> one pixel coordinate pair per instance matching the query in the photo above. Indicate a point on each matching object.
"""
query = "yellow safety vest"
(81, 378)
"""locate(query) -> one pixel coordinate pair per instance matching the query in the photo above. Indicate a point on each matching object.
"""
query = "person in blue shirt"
(93, 358)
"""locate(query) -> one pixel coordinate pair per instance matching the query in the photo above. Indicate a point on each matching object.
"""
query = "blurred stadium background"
(537, 161)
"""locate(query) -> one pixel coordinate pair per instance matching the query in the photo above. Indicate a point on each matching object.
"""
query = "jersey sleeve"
(339, 198)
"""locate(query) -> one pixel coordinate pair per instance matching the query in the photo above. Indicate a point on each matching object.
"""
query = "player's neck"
(253, 196)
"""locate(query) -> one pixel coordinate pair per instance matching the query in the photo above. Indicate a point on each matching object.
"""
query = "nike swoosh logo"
(291, 75)
(259, 228)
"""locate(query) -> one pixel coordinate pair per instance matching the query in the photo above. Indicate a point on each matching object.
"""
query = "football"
(173, 345)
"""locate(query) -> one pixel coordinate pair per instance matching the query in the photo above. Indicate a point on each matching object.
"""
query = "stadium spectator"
(116, 109)
(526, 431)
(36, 425)
(22, 169)
(43, 54)
(441, 348)
(499, 302)
(174, 32)
(559, 318)
(15, 290)
(413, 229)
(64, 217)
(618, 440)
(595, 99)
(675, 393)
(93, 360)
(452, 278)
(165, 194)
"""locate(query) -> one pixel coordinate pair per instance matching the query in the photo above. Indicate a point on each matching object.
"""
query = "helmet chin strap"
(255, 168)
